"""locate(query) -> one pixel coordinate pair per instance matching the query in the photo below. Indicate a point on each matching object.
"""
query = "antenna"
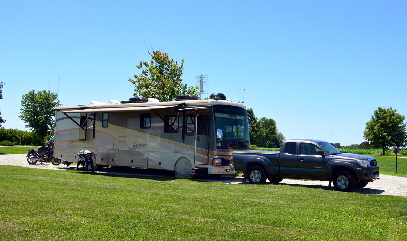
(238, 93)
(201, 81)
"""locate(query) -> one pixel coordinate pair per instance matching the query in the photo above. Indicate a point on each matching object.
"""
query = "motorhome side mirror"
(320, 153)
(219, 133)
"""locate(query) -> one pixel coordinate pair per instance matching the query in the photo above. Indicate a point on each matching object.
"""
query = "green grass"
(16, 149)
(388, 165)
(38, 204)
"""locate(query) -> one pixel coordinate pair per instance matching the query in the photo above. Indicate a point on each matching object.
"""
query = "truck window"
(290, 148)
(308, 149)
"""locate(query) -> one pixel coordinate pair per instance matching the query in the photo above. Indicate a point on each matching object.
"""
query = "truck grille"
(373, 163)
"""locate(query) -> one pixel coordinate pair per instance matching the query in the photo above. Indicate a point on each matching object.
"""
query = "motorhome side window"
(145, 121)
(202, 125)
(171, 124)
(190, 125)
(105, 119)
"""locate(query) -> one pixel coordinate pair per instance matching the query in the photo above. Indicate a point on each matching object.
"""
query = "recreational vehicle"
(186, 136)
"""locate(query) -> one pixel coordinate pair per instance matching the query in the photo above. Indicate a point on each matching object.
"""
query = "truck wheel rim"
(255, 176)
(342, 182)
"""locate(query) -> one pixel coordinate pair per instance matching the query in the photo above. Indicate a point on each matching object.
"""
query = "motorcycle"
(44, 154)
(85, 158)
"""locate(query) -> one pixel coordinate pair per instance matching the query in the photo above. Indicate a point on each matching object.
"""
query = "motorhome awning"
(125, 109)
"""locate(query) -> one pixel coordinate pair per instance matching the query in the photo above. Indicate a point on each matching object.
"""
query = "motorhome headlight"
(364, 163)
(217, 162)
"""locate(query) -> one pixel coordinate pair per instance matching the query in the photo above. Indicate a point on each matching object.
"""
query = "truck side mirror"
(321, 153)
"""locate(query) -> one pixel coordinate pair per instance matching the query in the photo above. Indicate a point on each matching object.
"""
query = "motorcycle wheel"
(32, 159)
(55, 161)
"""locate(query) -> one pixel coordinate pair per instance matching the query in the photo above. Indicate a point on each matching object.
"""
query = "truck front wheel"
(344, 181)
(257, 175)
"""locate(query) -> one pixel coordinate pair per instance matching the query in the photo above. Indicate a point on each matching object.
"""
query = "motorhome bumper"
(221, 170)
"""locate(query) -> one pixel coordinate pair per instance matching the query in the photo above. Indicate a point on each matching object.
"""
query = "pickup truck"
(307, 159)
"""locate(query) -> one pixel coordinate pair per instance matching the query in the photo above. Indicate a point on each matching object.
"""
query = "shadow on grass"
(163, 175)
(331, 188)
(158, 175)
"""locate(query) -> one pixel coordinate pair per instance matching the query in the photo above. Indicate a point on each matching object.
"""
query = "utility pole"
(201, 79)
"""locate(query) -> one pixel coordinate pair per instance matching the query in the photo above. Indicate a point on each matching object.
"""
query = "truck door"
(289, 159)
(309, 163)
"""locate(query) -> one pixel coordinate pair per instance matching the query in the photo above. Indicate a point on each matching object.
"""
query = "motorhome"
(186, 136)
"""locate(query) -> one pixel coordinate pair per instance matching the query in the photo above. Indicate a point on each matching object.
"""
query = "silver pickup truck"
(307, 159)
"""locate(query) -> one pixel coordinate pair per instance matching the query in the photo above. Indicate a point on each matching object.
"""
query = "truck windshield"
(231, 127)
(330, 149)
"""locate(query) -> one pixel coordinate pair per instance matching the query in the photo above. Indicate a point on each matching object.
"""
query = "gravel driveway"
(386, 185)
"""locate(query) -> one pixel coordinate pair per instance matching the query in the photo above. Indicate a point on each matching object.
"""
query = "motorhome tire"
(257, 175)
(183, 168)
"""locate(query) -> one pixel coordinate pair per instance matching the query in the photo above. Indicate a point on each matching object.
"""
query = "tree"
(253, 130)
(38, 111)
(263, 132)
(161, 79)
(1, 97)
(268, 135)
(386, 128)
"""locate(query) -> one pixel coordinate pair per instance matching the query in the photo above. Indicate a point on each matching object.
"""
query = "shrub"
(19, 137)
(253, 147)
(7, 143)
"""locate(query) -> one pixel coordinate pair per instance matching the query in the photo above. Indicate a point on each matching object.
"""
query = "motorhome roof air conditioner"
(186, 97)
(217, 96)
(135, 100)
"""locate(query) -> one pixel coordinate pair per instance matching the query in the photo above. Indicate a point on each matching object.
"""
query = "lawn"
(16, 149)
(38, 204)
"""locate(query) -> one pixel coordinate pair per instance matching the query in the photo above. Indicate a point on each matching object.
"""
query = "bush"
(253, 147)
(7, 143)
(19, 137)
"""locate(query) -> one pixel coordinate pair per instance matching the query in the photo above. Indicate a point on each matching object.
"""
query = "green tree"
(386, 128)
(1, 97)
(267, 134)
(161, 79)
(253, 130)
(38, 111)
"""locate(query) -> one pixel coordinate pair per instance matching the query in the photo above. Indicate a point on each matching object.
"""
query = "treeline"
(10, 137)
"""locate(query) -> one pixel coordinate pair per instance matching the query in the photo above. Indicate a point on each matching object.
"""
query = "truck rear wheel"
(257, 175)
(344, 181)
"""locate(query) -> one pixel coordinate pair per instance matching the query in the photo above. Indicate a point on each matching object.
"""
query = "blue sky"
(318, 68)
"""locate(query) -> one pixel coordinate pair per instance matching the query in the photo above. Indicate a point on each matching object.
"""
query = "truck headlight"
(364, 163)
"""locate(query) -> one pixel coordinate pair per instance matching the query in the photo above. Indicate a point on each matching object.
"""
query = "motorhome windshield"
(231, 126)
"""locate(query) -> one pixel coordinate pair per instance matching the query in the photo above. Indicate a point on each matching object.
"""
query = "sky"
(318, 68)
